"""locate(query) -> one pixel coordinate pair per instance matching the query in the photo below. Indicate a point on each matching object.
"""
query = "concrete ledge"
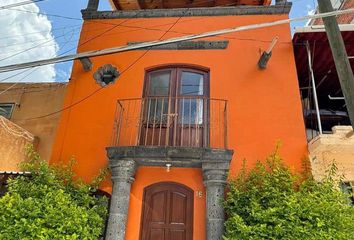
(188, 45)
(177, 156)
(188, 12)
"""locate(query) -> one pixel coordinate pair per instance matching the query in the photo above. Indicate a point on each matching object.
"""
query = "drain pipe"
(314, 87)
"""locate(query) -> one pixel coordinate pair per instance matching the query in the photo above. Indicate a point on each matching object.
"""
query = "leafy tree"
(50, 204)
(270, 202)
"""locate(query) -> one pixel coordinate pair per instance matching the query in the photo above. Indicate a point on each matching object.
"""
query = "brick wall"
(342, 19)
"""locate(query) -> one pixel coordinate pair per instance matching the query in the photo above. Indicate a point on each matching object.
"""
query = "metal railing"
(171, 121)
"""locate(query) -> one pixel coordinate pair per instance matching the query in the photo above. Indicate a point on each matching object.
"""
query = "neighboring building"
(341, 19)
(13, 141)
(181, 117)
(26, 106)
(329, 133)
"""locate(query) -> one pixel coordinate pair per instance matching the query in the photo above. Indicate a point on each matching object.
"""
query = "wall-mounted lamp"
(168, 167)
(262, 62)
(106, 75)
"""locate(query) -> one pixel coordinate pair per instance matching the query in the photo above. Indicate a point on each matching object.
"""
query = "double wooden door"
(167, 212)
(175, 108)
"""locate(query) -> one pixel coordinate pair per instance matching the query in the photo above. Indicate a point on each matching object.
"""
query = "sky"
(51, 28)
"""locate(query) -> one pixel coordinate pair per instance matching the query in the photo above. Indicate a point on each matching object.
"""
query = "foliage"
(270, 202)
(50, 204)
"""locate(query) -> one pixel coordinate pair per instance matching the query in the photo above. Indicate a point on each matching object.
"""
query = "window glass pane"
(159, 83)
(6, 110)
(192, 83)
(190, 111)
(158, 110)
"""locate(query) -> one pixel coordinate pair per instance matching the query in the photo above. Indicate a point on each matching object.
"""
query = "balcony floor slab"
(177, 156)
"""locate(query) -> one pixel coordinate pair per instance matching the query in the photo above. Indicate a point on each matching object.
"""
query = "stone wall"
(13, 140)
(341, 19)
(337, 147)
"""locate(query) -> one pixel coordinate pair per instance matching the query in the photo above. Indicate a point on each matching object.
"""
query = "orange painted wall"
(263, 106)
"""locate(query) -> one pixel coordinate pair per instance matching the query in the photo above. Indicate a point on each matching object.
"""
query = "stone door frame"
(124, 161)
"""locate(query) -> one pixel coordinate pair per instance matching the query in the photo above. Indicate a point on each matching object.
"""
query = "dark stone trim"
(123, 162)
(88, 14)
(177, 156)
(188, 45)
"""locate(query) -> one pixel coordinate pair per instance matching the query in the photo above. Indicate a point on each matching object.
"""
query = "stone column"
(215, 175)
(122, 177)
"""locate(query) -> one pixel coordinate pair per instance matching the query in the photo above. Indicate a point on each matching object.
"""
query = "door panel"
(156, 107)
(157, 234)
(167, 212)
(192, 108)
(178, 201)
(158, 203)
(177, 234)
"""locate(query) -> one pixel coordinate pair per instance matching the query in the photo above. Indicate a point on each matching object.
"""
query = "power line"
(20, 4)
(31, 48)
(99, 89)
(101, 22)
(254, 26)
(126, 48)
(52, 30)
(13, 85)
(94, 21)
(17, 74)
(99, 35)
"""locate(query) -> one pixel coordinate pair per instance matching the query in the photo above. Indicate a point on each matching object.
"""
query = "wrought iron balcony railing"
(171, 121)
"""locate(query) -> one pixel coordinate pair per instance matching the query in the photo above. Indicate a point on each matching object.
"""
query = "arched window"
(175, 107)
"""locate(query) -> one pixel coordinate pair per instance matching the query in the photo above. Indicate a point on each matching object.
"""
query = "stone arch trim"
(168, 182)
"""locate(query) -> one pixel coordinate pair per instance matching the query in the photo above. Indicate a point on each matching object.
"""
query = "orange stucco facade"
(263, 105)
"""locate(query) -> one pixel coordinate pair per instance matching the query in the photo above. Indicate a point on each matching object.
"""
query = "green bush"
(50, 205)
(270, 202)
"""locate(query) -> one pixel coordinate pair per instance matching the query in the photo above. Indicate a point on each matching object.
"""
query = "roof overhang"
(152, 4)
(325, 74)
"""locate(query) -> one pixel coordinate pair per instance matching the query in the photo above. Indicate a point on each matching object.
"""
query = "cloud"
(311, 10)
(21, 31)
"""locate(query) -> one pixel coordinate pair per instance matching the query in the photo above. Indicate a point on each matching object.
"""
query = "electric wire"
(26, 70)
(31, 48)
(20, 4)
(114, 50)
(243, 28)
(52, 30)
(105, 22)
(99, 89)
(99, 35)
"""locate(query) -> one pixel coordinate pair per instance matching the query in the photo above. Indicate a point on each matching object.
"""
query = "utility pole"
(344, 70)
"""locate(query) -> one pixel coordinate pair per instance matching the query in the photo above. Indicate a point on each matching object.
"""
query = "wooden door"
(167, 212)
(175, 108)
(192, 107)
(157, 105)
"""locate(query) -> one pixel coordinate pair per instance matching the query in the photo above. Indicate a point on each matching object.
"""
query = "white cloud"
(20, 31)
(311, 10)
